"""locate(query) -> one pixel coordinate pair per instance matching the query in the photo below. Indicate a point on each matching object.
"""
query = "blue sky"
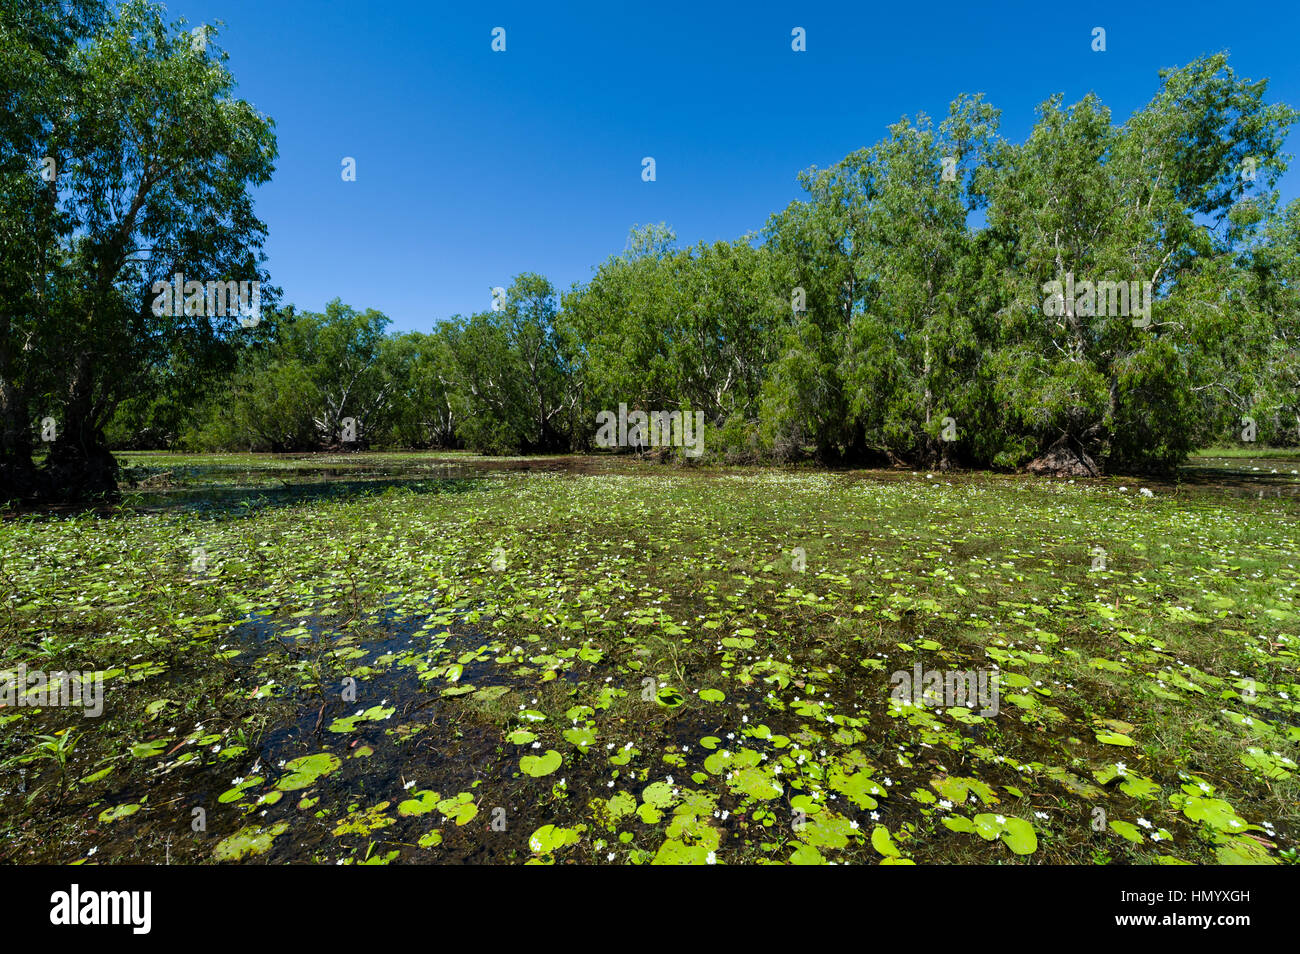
(473, 166)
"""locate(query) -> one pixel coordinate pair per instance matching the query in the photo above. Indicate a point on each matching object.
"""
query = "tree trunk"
(79, 465)
(17, 472)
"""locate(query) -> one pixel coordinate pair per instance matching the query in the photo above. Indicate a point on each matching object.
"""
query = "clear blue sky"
(473, 166)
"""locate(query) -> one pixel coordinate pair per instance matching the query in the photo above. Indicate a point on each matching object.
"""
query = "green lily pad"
(248, 841)
(539, 765)
(303, 772)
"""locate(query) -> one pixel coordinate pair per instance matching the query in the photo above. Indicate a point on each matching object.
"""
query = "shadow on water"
(1243, 477)
(239, 484)
(224, 501)
(276, 482)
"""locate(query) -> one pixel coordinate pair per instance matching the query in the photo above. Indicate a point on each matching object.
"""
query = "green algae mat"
(655, 666)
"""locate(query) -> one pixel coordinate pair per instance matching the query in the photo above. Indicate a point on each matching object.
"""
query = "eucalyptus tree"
(38, 39)
(662, 328)
(270, 403)
(421, 368)
(537, 343)
(1109, 233)
(153, 159)
(723, 316)
(804, 402)
(344, 349)
(616, 325)
(1279, 345)
(912, 349)
(1253, 392)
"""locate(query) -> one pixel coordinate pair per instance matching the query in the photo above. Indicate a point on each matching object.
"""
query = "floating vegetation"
(647, 677)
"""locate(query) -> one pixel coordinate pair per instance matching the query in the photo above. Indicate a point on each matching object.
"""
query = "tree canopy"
(1104, 295)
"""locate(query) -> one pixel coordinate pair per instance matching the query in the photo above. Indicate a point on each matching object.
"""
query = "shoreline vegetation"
(1103, 296)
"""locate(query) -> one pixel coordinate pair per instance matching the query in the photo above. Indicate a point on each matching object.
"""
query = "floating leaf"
(248, 841)
(539, 765)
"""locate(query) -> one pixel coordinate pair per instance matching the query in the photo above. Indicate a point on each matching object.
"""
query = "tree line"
(1102, 296)
(870, 321)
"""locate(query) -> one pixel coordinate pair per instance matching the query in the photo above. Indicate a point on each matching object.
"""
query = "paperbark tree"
(153, 158)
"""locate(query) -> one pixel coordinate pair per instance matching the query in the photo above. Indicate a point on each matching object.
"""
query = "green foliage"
(909, 309)
(151, 162)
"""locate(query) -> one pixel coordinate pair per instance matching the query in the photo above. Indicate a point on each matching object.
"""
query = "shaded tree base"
(18, 482)
(66, 476)
(1065, 458)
